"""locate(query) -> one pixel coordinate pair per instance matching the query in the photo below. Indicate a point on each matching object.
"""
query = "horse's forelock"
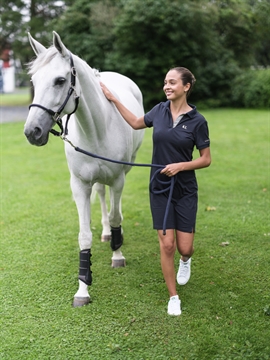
(41, 60)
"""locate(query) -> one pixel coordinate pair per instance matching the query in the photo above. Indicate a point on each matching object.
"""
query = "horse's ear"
(57, 42)
(36, 46)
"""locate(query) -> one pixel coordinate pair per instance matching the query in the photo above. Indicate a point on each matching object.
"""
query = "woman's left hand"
(171, 169)
(201, 162)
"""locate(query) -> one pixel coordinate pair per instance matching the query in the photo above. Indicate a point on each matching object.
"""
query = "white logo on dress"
(184, 127)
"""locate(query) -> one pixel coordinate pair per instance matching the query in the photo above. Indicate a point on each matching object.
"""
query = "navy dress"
(173, 145)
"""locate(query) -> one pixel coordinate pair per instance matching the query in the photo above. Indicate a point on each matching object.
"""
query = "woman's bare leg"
(184, 243)
(167, 250)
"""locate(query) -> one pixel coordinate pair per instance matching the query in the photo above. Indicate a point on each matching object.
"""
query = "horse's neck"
(91, 113)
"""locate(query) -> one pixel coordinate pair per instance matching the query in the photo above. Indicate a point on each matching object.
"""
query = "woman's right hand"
(131, 119)
(107, 92)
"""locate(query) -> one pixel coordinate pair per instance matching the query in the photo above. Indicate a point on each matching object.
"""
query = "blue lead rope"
(170, 187)
(170, 182)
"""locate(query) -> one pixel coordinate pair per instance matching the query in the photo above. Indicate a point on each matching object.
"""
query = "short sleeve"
(150, 115)
(202, 135)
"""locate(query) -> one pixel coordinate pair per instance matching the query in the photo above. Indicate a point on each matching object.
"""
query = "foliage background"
(219, 41)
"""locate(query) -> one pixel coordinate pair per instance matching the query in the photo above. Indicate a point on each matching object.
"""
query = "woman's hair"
(186, 77)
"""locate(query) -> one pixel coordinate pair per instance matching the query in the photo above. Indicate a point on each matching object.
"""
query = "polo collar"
(190, 114)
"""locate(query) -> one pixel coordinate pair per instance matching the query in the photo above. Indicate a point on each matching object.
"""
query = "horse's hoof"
(80, 301)
(106, 238)
(118, 263)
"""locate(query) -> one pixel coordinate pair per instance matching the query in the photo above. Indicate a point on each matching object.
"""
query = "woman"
(177, 128)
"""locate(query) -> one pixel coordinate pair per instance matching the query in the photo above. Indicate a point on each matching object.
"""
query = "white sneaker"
(174, 306)
(184, 271)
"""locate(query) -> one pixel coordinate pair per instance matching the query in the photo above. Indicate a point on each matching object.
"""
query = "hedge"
(251, 89)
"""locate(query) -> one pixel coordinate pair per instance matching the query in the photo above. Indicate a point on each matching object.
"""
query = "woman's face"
(173, 86)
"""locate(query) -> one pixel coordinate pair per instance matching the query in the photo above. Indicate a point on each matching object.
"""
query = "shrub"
(251, 89)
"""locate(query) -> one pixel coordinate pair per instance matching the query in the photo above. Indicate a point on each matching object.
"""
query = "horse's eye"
(59, 81)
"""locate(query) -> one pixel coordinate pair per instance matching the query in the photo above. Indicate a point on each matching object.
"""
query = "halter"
(56, 114)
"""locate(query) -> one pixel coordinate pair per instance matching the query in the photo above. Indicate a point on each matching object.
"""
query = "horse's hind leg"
(118, 260)
(116, 218)
(106, 231)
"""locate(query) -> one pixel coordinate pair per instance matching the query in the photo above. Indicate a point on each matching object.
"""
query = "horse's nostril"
(37, 132)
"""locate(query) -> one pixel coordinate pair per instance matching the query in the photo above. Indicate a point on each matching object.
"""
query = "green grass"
(226, 304)
(21, 97)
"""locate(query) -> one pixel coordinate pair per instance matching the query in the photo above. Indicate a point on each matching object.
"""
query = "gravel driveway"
(13, 113)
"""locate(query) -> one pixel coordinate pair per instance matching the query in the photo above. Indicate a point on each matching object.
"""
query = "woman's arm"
(131, 119)
(203, 161)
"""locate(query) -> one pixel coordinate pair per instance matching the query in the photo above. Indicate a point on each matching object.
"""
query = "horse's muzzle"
(36, 136)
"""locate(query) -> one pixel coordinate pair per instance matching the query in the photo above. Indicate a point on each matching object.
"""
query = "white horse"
(60, 79)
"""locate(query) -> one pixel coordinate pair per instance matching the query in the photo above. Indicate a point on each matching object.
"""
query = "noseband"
(56, 114)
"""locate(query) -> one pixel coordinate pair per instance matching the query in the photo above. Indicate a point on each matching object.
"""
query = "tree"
(11, 20)
(152, 36)
(236, 29)
(19, 17)
(87, 28)
(215, 39)
(261, 11)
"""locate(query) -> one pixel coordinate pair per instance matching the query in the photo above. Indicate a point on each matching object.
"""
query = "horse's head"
(52, 76)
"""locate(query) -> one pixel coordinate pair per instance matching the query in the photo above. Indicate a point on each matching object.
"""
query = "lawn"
(20, 97)
(226, 304)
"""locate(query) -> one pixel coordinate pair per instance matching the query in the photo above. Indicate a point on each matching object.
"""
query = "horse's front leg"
(81, 193)
(106, 230)
(115, 218)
